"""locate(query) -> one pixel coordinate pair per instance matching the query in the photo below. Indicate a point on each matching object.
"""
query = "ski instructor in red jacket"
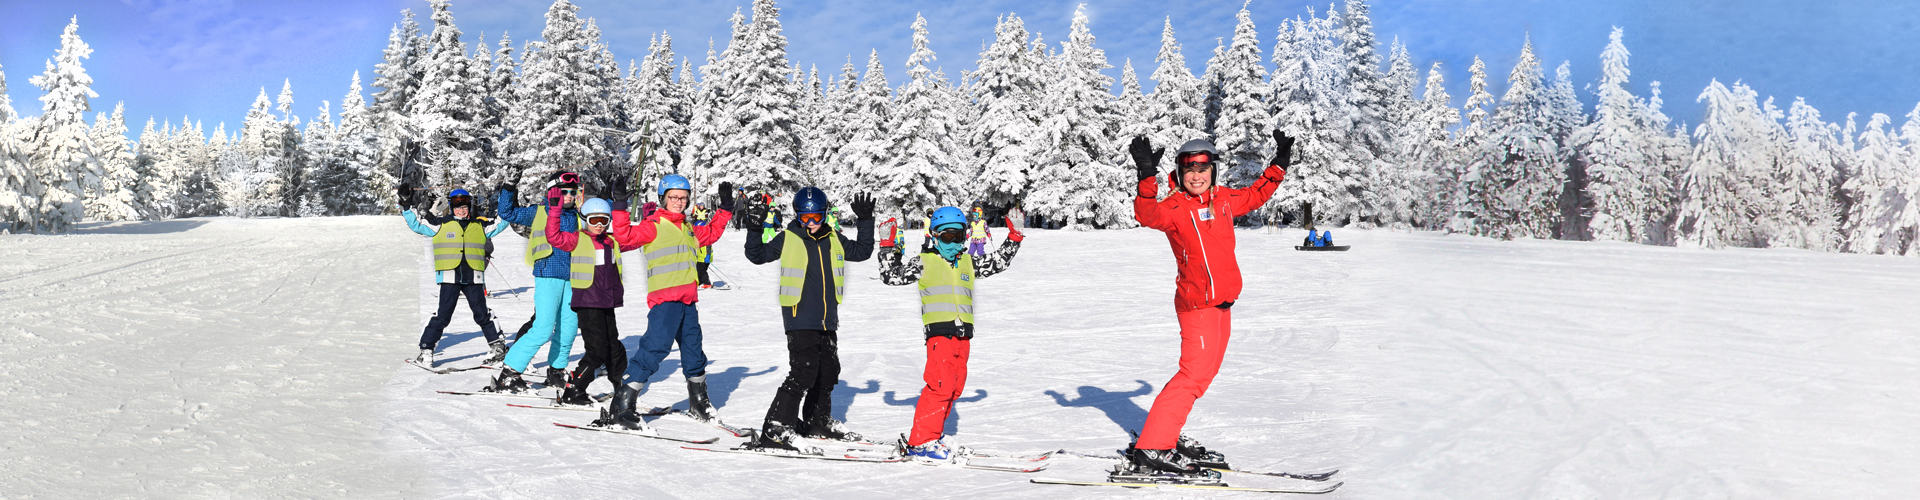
(1198, 220)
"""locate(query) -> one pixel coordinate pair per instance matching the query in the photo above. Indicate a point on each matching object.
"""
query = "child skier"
(703, 256)
(553, 322)
(812, 284)
(595, 283)
(459, 266)
(977, 234)
(667, 240)
(946, 316)
(1198, 221)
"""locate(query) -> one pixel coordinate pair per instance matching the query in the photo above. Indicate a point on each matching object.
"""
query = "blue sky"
(208, 58)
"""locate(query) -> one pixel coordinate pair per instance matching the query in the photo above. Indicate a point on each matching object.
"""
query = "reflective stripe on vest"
(670, 256)
(537, 247)
(584, 262)
(946, 291)
(457, 241)
(793, 269)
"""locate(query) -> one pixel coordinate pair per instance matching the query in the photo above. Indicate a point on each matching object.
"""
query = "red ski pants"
(1203, 343)
(946, 376)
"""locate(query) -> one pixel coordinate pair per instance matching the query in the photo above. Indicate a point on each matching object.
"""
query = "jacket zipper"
(1204, 262)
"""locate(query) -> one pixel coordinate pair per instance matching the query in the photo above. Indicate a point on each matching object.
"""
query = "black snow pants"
(813, 359)
(604, 350)
(449, 296)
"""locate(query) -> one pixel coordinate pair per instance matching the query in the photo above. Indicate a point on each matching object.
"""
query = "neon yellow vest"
(793, 269)
(583, 259)
(537, 247)
(670, 256)
(978, 231)
(458, 240)
(946, 291)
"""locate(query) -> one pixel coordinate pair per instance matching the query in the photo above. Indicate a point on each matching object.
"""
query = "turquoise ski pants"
(552, 321)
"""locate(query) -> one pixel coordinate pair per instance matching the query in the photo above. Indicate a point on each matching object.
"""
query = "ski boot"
(575, 393)
(775, 436)
(508, 381)
(621, 411)
(1162, 467)
(698, 406)
(425, 358)
(829, 429)
(931, 452)
(556, 377)
(1199, 455)
(496, 352)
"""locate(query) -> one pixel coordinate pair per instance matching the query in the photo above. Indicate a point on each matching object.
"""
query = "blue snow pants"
(553, 322)
(667, 323)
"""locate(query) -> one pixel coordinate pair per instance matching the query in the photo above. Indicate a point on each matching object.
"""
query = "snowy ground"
(155, 360)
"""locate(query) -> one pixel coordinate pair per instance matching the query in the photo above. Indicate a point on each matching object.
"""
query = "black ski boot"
(622, 410)
(1191, 448)
(508, 381)
(496, 352)
(698, 406)
(774, 436)
(829, 429)
(1161, 467)
(576, 390)
(556, 377)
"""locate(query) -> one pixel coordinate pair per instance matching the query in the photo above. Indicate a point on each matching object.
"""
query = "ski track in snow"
(1421, 365)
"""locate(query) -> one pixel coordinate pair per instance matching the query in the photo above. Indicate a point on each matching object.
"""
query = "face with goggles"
(462, 206)
(812, 221)
(951, 234)
(569, 191)
(1196, 171)
(597, 224)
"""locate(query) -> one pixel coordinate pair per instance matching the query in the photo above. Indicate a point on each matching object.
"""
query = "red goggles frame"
(1193, 158)
(569, 178)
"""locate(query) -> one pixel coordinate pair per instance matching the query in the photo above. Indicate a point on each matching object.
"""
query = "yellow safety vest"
(978, 231)
(537, 247)
(946, 291)
(793, 269)
(457, 241)
(585, 255)
(670, 256)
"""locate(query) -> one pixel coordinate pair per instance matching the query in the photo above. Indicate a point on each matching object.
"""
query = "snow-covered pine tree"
(1310, 103)
(557, 111)
(1244, 130)
(123, 193)
(200, 193)
(1806, 186)
(1620, 173)
(659, 109)
(18, 185)
(1006, 90)
(1176, 111)
(1367, 98)
(706, 120)
(1130, 117)
(1567, 116)
(502, 75)
(1399, 187)
(860, 161)
(1433, 153)
(758, 146)
(1905, 230)
(249, 169)
(814, 125)
(1078, 183)
(359, 185)
(398, 76)
(1514, 179)
(1671, 148)
(316, 149)
(1879, 164)
(62, 155)
(835, 129)
(922, 169)
(444, 116)
(1721, 201)
(289, 161)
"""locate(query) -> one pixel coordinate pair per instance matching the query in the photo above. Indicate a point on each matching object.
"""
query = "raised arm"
(1247, 199)
(998, 261)
(861, 248)
(893, 272)
(562, 240)
(413, 222)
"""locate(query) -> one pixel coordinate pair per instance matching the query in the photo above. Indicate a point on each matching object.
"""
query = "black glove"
(1283, 154)
(1146, 158)
(505, 189)
(863, 206)
(726, 196)
(619, 188)
(405, 194)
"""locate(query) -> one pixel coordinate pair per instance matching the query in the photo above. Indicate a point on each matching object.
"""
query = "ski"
(817, 455)
(1317, 476)
(716, 423)
(443, 371)
(1303, 491)
(649, 413)
(710, 440)
(500, 394)
(1341, 248)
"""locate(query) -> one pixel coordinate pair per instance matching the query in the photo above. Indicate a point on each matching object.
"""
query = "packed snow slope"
(223, 357)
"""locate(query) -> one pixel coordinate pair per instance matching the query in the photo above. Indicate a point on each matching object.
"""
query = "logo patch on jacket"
(1206, 213)
(966, 278)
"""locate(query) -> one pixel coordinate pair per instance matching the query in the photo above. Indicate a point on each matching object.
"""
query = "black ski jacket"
(812, 313)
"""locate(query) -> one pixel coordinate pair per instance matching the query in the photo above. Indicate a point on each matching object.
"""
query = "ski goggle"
(568, 191)
(951, 235)
(458, 201)
(569, 178)
(1200, 161)
(599, 220)
(813, 218)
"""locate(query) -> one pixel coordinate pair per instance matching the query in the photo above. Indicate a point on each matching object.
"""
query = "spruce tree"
(1176, 111)
(1078, 181)
(62, 157)
(922, 169)
(1006, 91)
(1244, 130)
(123, 193)
(1514, 179)
(758, 146)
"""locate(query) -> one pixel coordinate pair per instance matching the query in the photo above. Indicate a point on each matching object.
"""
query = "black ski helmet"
(1193, 148)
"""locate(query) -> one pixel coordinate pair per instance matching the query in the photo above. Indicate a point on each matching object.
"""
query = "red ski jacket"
(1200, 228)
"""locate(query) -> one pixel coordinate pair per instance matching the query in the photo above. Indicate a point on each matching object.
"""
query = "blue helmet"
(810, 200)
(459, 198)
(948, 215)
(673, 181)
(595, 206)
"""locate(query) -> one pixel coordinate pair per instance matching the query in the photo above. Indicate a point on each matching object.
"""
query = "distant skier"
(1314, 238)
(1198, 221)
(554, 324)
(668, 242)
(459, 266)
(977, 234)
(702, 216)
(813, 274)
(946, 275)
